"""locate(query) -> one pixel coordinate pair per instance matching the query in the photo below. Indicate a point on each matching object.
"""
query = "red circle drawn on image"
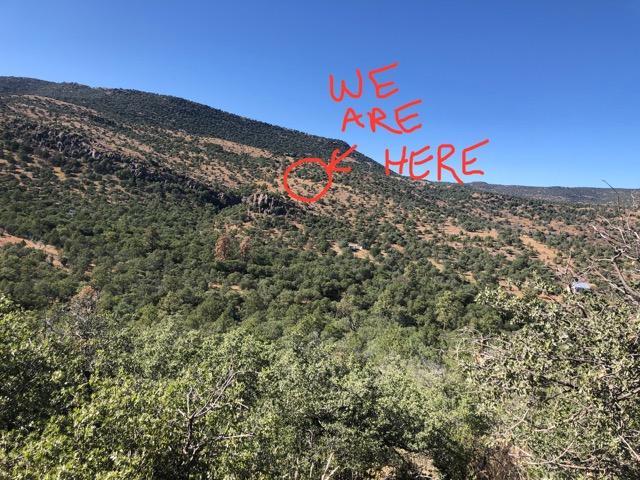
(329, 169)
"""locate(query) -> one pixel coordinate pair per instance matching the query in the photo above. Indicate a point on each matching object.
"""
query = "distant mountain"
(563, 194)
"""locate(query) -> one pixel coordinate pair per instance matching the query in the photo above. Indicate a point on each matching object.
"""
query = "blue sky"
(554, 85)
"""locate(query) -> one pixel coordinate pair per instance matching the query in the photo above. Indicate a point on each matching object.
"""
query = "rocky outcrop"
(260, 202)
(69, 144)
(104, 161)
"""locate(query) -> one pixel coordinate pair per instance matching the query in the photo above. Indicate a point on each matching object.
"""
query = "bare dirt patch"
(52, 252)
(545, 254)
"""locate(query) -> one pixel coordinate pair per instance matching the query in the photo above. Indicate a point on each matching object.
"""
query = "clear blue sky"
(554, 84)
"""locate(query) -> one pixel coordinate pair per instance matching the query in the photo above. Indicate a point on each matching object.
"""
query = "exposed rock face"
(69, 144)
(105, 161)
(261, 202)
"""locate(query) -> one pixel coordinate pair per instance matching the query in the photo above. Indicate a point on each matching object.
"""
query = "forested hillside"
(168, 312)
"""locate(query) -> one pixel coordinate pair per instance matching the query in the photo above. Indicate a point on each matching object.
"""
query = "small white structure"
(580, 287)
(354, 247)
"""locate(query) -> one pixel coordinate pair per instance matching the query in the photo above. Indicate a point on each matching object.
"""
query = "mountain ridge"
(199, 119)
(213, 120)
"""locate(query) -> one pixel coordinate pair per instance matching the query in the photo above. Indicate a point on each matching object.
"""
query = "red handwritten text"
(402, 121)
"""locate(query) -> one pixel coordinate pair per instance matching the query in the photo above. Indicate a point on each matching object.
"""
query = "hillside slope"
(120, 148)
